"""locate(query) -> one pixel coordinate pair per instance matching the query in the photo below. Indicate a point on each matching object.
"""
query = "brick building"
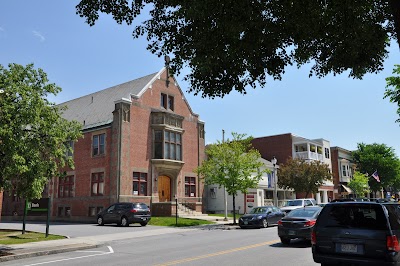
(286, 146)
(141, 142)
(343, 169)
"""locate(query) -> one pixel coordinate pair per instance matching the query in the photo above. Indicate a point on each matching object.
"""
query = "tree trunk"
(234, 209)
(395, 6)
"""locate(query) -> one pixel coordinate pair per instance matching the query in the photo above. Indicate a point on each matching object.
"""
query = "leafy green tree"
(359, 184)
(234, 45)
(303, 176)
(381, 158)
(32, 132)
(233, 164)
(393, 89)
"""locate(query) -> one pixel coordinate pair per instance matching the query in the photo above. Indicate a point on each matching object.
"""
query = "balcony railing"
(306, 155)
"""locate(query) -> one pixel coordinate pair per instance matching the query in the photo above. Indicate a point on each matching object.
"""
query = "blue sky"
(82, 59)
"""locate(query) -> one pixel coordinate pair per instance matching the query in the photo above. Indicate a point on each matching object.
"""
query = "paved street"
(76, 230)
(206, 245)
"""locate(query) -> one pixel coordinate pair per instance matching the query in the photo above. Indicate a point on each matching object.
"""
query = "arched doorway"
(164, 188)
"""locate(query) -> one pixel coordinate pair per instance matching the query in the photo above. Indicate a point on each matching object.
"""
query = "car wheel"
(143, 223)
(100, 220)
(124, 221)
(285, 241)
(265, 223)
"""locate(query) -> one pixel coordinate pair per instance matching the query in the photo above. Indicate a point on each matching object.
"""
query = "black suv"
(357, 233)
(125, 213)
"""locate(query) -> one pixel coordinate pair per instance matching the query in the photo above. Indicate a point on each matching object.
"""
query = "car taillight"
(313, 238)
(310, 223)
(133, 210)
(280, 223)
(392, 243)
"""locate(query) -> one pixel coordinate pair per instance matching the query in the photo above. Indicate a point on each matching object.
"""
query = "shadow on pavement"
(294, 243)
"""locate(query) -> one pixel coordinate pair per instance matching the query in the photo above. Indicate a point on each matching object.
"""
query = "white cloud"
(39, 35)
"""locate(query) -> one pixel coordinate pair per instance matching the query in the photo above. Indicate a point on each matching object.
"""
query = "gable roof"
(96, 109)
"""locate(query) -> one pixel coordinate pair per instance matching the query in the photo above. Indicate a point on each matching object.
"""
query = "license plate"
(349, 248)
(245, 222)
(144, 219)
(291, 233)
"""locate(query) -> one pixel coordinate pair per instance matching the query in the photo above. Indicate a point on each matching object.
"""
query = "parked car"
(297, 203)
(298, 224)
(125, 213)
(357, 233)
(261, 217)
(343, 200)
(362, 199)
(382, 200)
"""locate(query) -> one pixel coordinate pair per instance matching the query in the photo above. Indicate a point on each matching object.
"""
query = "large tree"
(230, 45)
(233, 164)
(33, 134)
(393, 89)
(303, 176)
(359, 184)
(381, 158)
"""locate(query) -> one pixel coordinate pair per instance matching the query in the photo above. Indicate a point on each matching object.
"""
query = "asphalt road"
(189, 247)
(75, 230)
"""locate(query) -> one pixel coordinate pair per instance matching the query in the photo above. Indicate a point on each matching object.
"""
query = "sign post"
(41, 206)
(24, 218)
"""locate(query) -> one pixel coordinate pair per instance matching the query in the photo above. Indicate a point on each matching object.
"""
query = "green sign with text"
(38, 205)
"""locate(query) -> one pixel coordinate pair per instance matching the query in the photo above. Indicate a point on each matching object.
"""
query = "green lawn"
(171, 221)
(10, 237)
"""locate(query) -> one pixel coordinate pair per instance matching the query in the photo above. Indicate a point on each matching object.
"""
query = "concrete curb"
(55, 250)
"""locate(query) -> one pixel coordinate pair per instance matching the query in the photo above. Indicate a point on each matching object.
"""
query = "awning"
(347, 189)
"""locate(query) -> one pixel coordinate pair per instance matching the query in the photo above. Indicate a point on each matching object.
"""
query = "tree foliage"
(303, 176)
(393, 89)
(233, 164)
(232, 45)
(32, 132)
(381, 158)
(359, 184)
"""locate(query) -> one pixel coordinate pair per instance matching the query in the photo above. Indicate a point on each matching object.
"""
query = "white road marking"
(89, 251)
(81, 257)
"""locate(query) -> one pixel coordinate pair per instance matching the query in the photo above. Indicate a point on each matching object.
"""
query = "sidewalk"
(88, 242)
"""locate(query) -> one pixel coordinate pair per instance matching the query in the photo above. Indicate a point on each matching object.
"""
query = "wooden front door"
(164, 188)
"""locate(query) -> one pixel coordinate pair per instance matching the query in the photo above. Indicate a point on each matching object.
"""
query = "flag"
(376, 176)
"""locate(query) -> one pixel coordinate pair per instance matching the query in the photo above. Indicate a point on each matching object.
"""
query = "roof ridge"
(103, 90)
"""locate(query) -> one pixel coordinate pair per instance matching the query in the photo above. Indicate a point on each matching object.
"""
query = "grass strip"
(10, 237)
(171, 221)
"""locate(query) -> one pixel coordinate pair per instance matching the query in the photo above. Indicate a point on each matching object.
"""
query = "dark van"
(357, 233)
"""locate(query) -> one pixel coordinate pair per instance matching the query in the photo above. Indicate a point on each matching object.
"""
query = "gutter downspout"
(119, 151)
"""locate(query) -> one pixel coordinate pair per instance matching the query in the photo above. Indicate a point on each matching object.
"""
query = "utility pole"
(274, 161)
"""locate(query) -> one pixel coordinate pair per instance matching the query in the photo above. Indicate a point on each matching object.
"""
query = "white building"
(260, 196)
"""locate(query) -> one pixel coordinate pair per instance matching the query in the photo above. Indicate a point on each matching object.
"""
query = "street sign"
(38, 205)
